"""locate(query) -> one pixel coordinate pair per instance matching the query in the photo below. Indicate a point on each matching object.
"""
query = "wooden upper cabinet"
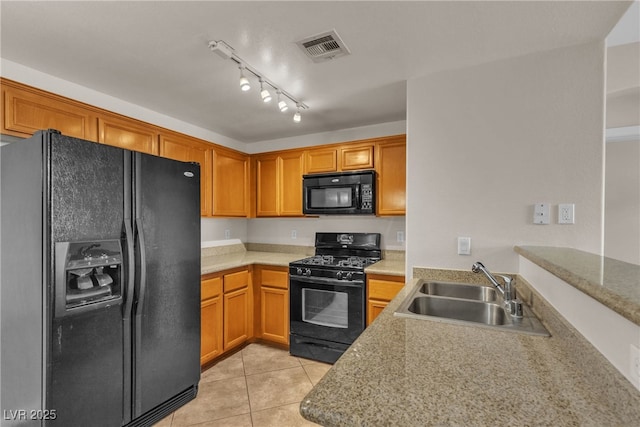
(27, 111)
(128, 134)
(321, 160)
(230, 183)
(290, 174)
(356, 157)
(186, 149)
(267, 186)
(279, 184)
(391, 166)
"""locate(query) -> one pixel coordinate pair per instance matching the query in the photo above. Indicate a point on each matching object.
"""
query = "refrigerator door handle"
(143, 267)
(130, 269)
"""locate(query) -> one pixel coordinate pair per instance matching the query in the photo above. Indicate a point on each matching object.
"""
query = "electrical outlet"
(566, 212)
(227, 234)
(294, 234)
(399, 236)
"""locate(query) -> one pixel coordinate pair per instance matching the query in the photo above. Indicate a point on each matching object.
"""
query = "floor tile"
(165, 422)
(287, 415)
(237, 421)
(277, 388)
(259, 358)
(231, 367)
(215, 400)
(316, 371)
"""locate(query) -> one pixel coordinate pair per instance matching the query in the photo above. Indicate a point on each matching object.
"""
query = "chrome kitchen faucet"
(511, 303)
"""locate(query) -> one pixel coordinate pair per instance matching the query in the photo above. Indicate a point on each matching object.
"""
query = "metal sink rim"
(529, 324)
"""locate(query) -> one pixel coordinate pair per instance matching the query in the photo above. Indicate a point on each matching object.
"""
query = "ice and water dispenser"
(88, 276)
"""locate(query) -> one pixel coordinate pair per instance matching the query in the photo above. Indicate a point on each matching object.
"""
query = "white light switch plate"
(464, 245)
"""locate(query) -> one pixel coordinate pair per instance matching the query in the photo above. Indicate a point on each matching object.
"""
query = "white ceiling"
(155, 53)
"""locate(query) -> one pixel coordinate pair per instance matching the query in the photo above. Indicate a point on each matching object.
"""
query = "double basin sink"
(475, 305)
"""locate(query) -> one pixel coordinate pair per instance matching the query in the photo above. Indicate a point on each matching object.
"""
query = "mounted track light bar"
(222, 49)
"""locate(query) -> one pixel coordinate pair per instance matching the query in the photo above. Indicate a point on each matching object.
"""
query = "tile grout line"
(246, 384)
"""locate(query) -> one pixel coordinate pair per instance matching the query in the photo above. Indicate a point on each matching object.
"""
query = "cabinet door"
(290, 174)
(356, 157)
(267, 186)
(374, 308)
(321, 160)
(26, 112)
(211, 329)
(230, 183)
(380, 290)
(391, 165)
(275, 314)
(188, 150)
(236, 318)
(128, 135)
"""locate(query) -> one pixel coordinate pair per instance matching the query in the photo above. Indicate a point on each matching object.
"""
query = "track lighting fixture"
(297, 117)
(282, 105)
(225, 51)
(244, 82)
(264, 93)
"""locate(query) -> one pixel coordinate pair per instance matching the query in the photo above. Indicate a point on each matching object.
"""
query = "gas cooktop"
(338, 261)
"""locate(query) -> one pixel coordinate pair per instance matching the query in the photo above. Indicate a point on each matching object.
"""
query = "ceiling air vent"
(323, 47)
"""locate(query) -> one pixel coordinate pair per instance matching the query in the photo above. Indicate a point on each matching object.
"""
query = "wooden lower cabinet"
(226, 312)
(274, 303)
(211, 319)
(381, 289)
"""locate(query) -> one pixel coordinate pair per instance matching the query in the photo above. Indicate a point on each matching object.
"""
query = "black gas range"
(328, 295)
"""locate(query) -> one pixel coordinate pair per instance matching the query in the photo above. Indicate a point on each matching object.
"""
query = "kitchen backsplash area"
(301, 231)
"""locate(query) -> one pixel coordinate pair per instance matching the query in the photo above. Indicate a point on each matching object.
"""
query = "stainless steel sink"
(456, 290)
(465, 310)
(464, 304)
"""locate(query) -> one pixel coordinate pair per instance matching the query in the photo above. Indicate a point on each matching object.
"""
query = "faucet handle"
(509, 292)
(515, 308)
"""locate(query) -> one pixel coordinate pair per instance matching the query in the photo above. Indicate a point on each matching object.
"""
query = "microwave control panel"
(367, 196)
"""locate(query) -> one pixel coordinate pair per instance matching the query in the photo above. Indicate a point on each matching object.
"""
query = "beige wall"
(487, 142)
(622, 201)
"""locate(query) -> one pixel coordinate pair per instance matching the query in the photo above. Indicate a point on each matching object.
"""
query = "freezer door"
(85, 345)
(167, 306)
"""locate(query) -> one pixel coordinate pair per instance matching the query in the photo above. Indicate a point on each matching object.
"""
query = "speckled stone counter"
(409, 372)
(221, 258)
(615, 284)
(215, 263)
(390, 267)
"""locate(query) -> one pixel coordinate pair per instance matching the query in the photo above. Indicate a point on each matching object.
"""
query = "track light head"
(297, 117)
(282, 105)
(244, 82)
(264, 93)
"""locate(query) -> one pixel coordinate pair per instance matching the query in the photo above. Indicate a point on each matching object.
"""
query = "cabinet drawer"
(210, 288)
(274, 278)
(383, 290)
(235, 281)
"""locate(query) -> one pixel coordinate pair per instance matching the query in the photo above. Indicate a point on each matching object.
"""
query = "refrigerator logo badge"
(188, 174)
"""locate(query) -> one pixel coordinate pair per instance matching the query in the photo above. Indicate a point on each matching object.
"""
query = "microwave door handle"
(357, 188)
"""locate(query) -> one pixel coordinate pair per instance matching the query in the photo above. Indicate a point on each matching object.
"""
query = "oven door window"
(331, 197)
(325, 308)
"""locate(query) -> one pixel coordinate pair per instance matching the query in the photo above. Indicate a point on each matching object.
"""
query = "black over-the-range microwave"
(340, 193)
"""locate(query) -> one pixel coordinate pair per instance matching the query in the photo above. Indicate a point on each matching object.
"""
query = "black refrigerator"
(100, 284)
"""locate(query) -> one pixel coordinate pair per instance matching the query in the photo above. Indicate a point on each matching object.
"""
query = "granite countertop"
(392, 267)
(225, 258)
(614, 283)
(215, 263)
(412, 372)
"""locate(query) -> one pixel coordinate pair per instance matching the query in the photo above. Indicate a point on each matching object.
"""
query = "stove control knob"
(307, 272)
(349, 275)
(339, 275)
(299, 271)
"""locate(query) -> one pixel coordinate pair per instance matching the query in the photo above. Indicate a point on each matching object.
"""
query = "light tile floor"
(260, 386)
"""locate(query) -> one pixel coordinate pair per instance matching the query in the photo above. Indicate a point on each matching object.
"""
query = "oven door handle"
(325, 281)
